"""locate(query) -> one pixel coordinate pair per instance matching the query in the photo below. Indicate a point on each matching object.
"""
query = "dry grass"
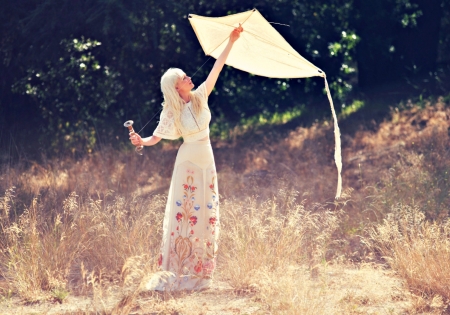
(418, 250)
(338, 289)
(82, 246)
(90, 228)
(271, 234)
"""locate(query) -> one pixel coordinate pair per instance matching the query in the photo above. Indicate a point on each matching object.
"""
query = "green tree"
(399, 39)
(74, 71)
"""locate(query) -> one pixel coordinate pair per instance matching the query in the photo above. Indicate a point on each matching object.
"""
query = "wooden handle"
(129, 125)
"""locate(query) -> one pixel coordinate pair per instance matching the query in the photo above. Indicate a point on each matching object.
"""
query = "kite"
(262, 51)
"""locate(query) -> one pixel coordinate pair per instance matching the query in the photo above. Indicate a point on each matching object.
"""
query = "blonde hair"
(172, 99)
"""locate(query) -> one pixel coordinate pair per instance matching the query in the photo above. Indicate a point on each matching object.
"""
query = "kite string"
(201, 67)
(149, 120)
(280, 24)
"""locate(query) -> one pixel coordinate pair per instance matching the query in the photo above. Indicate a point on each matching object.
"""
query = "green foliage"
(221, 129)
(59, 294)
(73, 93)
(73, 72)
(355, 106)
(407, 12)
(345, 47)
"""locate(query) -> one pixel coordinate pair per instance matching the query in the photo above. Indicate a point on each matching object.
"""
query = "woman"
(191, 220)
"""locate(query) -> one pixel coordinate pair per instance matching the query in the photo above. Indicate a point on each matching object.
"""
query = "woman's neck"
(185, 96)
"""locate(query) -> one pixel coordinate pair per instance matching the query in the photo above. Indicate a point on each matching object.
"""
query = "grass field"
(81, 236)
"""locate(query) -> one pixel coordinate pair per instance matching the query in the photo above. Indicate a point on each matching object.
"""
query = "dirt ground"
(362, 289)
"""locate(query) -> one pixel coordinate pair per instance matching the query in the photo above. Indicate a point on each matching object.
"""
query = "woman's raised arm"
(218, 65)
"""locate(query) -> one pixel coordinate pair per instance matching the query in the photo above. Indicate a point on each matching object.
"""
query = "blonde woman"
(191, 221)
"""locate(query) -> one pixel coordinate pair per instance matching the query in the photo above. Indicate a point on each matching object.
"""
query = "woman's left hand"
(234, 36)
(136, 139)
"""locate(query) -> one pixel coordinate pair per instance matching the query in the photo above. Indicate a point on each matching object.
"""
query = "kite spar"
(261, 50)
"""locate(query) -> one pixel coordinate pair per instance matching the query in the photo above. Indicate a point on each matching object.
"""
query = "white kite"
(261, 50)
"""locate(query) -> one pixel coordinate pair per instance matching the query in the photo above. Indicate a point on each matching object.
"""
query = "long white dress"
(191, 221)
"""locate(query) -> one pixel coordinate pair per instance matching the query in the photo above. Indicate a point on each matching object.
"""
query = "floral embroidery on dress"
(213, 204)
(191, 255)
(193, 231)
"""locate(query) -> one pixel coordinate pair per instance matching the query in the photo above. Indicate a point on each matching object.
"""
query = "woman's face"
(184, 84)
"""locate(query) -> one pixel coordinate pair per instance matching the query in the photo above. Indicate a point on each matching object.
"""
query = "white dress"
(191, 221)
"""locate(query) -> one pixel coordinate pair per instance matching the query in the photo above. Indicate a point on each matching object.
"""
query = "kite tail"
(337, 139)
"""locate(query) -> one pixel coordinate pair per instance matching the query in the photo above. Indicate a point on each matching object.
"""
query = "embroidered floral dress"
(191, 220)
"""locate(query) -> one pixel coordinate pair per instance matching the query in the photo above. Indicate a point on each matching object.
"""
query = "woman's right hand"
(136, 139)
(234, 36)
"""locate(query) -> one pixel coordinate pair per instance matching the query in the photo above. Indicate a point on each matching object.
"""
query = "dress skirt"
(191, 222)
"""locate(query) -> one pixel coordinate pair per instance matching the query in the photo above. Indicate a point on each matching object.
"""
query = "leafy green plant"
(59, 295)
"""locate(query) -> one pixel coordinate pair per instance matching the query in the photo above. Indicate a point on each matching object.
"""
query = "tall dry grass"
(418, 250)
(289, 290)
(80, 226)
(45, 253)
(273, 233)
(95, 244)
(275, 247)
